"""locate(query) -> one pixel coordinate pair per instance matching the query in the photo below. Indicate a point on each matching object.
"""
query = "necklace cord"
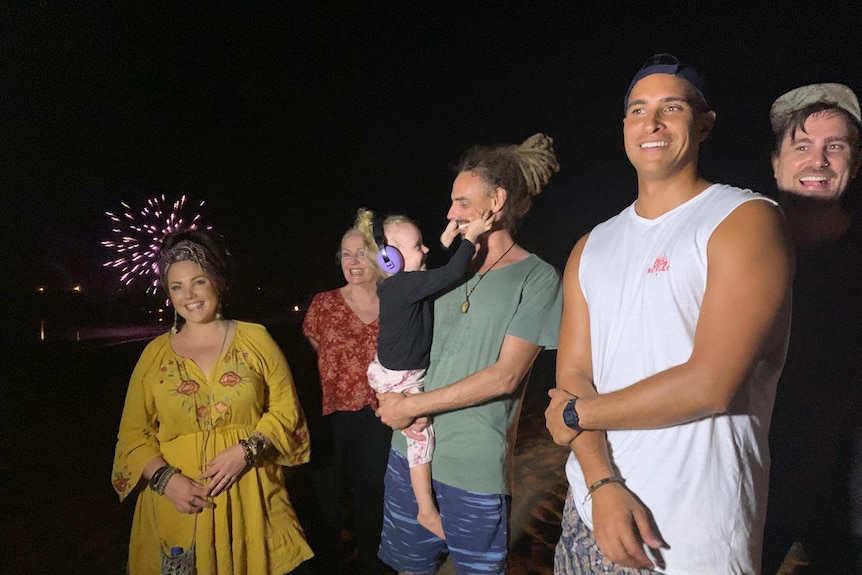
(466, 305)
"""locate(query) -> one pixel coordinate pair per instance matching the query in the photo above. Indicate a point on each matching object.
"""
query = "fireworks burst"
(138, 236)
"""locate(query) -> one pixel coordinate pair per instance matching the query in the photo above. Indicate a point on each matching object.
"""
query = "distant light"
(296, 308)
(76, 289)
(40, 289)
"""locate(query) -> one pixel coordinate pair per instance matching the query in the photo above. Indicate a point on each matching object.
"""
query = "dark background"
(285, 117)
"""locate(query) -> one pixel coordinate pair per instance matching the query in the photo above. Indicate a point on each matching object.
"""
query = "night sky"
(287, 117)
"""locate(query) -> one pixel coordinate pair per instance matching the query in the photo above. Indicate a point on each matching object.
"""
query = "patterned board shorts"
(476, 527)
(577, 552)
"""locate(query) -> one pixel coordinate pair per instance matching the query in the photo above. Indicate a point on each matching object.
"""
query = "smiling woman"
(211, 417)
(199, 273)
(351, 445)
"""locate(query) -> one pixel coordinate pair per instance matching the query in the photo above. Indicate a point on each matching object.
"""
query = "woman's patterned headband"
(187, 250)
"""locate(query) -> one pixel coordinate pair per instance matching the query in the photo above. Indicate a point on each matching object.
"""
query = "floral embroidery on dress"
(188, 387)
(299, 454)
(122, 480)
(230, 379)
(211, 415)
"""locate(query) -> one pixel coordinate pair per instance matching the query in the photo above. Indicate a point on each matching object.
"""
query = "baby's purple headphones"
(388, 257)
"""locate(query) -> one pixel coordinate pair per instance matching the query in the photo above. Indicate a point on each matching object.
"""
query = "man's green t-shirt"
(524, 300)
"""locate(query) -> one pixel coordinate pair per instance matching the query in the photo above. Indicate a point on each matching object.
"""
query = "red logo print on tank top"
(659, 265)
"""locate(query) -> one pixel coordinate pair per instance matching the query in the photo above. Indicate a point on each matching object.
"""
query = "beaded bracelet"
(154, 479)
(252, 447)
(163, 478)
(257, 443)
(600, 482)
(246, 449)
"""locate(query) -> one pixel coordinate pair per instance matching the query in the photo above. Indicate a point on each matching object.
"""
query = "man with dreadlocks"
(488, 330)
(674, 333)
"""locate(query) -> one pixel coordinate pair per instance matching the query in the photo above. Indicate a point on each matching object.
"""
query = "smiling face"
(192, 292)
(408, 239)
(470, 199)
(355, 265)
(663, 127)
(818, 162)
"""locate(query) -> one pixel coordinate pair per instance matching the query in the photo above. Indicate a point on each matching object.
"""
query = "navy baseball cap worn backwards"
(668, 64)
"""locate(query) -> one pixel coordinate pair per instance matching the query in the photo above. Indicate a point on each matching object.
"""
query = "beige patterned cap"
(794, 100)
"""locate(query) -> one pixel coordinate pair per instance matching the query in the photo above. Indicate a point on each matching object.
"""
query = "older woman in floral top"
(342, 327)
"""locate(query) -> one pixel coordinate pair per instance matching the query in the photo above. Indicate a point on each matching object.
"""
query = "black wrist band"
(154, 479)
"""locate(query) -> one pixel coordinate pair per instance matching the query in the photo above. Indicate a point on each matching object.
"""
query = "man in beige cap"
(816, 417)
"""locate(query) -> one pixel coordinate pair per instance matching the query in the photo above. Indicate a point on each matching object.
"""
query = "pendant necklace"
(465, 307)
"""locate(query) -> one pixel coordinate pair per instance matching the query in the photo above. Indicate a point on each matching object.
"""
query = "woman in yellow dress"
(211, 416)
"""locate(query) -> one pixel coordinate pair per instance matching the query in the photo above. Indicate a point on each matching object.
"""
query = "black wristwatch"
(570, 415)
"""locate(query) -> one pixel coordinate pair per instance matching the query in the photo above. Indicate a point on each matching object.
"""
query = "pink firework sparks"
(138, 235)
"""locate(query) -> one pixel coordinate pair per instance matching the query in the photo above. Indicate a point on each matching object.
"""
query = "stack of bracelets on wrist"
(160, 478)
(600, 482)
(253, 447)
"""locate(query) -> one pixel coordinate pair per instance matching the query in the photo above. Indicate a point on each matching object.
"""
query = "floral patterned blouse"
(172, 409)
(346, 346)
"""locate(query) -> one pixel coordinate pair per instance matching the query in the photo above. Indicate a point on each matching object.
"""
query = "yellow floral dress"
(172, 410)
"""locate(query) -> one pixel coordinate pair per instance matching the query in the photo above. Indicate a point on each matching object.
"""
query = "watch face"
(570, 416)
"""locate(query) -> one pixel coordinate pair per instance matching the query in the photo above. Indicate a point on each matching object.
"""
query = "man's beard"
(796, 200)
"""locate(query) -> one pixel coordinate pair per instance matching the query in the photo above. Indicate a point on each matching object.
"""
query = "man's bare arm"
(501, 378)
(747, 299)
(575, 373)
(622, 524)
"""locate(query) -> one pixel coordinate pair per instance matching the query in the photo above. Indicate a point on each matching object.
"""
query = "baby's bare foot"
(432, 522)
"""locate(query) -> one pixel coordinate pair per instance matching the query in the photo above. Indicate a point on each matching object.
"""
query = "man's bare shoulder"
(754, 218)
(756, 227)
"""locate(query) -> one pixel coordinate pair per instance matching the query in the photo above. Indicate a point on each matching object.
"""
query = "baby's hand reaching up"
(449, 233)
(479, 226)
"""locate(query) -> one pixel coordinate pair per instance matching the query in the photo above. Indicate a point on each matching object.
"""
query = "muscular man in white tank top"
(675, 325)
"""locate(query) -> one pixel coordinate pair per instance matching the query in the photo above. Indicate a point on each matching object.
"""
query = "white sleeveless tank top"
(704, 481)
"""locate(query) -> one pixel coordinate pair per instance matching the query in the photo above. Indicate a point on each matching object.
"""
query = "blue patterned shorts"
(476, 527)
(577, 552)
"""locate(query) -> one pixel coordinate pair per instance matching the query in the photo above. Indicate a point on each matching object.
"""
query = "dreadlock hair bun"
(520, 169)
(538, 161)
